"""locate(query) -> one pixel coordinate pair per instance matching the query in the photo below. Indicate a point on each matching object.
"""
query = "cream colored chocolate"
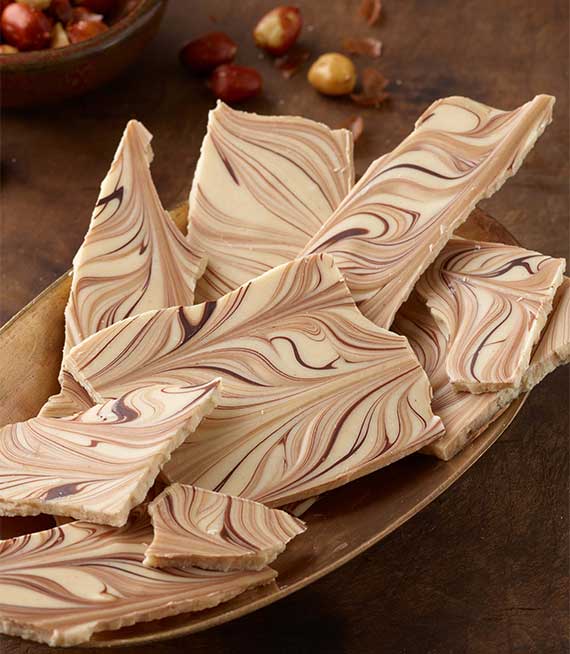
(465, 414)
(403, 210)
(62, 585)
(133, 257)
(491, 302)
(197, 527)
(263, 186)
(99, 464)
(314, 393)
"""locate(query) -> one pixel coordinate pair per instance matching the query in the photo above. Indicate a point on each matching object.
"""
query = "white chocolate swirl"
(133, 257)
(197, 527)
(491, 301)
(400, 214)
(99, 464)
(263, 186)
(314, 393)
(62, 585)
(464, 415)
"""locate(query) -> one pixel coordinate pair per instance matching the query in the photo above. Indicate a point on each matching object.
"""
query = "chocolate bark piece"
(491, 301)
(314, 393)
(398, 217)
(263, 186)
(62, 585)
(465, 415)
(197, 527)
(133, 257)
(99, 464)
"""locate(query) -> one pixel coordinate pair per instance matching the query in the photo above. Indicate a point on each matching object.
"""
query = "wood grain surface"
(485, 568)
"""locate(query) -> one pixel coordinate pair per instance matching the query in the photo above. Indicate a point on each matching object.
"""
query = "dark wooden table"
(483, 569)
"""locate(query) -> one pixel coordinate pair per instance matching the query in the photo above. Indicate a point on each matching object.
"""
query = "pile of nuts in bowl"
(40, 24)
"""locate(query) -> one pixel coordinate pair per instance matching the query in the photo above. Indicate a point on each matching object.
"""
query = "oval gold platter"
(342, 524)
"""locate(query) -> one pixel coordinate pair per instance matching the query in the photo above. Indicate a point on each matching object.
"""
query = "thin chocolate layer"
(491, 301)
(62, 585)
(465, 414)
(263, 186)
(403, 210)
(314, 393)
(133, 257)
(99, 464)
(197, 527)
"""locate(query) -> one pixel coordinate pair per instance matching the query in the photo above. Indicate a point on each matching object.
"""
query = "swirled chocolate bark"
(197, 527)
(99, 464)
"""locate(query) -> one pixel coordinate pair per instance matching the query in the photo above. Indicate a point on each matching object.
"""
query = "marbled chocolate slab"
(314, 393)
(465, 414)
(133, 257)
(97, 465)
(400, 214)
(62, 585)
(491, 301)
(197, 527)
(263, 186)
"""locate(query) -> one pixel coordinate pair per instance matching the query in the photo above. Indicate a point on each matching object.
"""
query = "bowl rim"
(116, 33)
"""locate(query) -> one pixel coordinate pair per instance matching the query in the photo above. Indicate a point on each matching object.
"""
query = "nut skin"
(25, 28)
(82, 30)
(233, 84)
(332, 74)
(204, 54)
(277, 31)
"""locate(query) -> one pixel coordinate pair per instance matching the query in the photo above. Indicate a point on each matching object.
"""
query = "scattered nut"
(25, 28)
(278, 30)
(7, 49)
(232, 83)
(36, 4)
(332, 74)
(59, 38)
(208, 52)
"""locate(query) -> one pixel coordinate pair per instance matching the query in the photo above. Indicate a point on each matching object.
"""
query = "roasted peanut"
(207, 52)
(332, 74)
(232, 83)
(278, 30)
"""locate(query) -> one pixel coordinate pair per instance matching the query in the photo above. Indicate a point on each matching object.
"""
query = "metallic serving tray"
(342, 524)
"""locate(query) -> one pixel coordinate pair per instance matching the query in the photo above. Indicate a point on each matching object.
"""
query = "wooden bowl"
(48, 76)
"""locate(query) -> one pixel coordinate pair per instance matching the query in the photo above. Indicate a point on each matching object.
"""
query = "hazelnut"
(278, 30)
(208, 52)
(232, 83)
(25, 28)
(332, 74)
